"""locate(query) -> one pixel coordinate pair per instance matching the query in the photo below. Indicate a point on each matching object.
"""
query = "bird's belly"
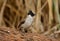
(27, 24)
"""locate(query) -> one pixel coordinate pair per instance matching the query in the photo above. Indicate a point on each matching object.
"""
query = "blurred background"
(46, 21)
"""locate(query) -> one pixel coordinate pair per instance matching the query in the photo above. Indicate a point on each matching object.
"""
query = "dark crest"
(31, 13)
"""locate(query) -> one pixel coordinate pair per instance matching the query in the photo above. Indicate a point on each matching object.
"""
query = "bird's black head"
(31, 13)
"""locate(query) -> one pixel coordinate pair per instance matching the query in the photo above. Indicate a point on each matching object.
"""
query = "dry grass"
(8, 34)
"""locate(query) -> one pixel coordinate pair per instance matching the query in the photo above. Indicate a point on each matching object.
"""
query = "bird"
(27, 22)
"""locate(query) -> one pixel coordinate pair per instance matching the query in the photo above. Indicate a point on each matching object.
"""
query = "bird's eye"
(31, 13)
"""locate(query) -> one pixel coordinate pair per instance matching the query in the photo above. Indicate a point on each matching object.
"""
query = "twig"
(57, 32)
(2, 10)
(47, 32)
(9, 23)
(13, 9)
(57, 17)
(18, 4)
(44, 5)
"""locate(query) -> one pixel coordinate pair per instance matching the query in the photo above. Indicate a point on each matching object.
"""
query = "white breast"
(28, 21)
